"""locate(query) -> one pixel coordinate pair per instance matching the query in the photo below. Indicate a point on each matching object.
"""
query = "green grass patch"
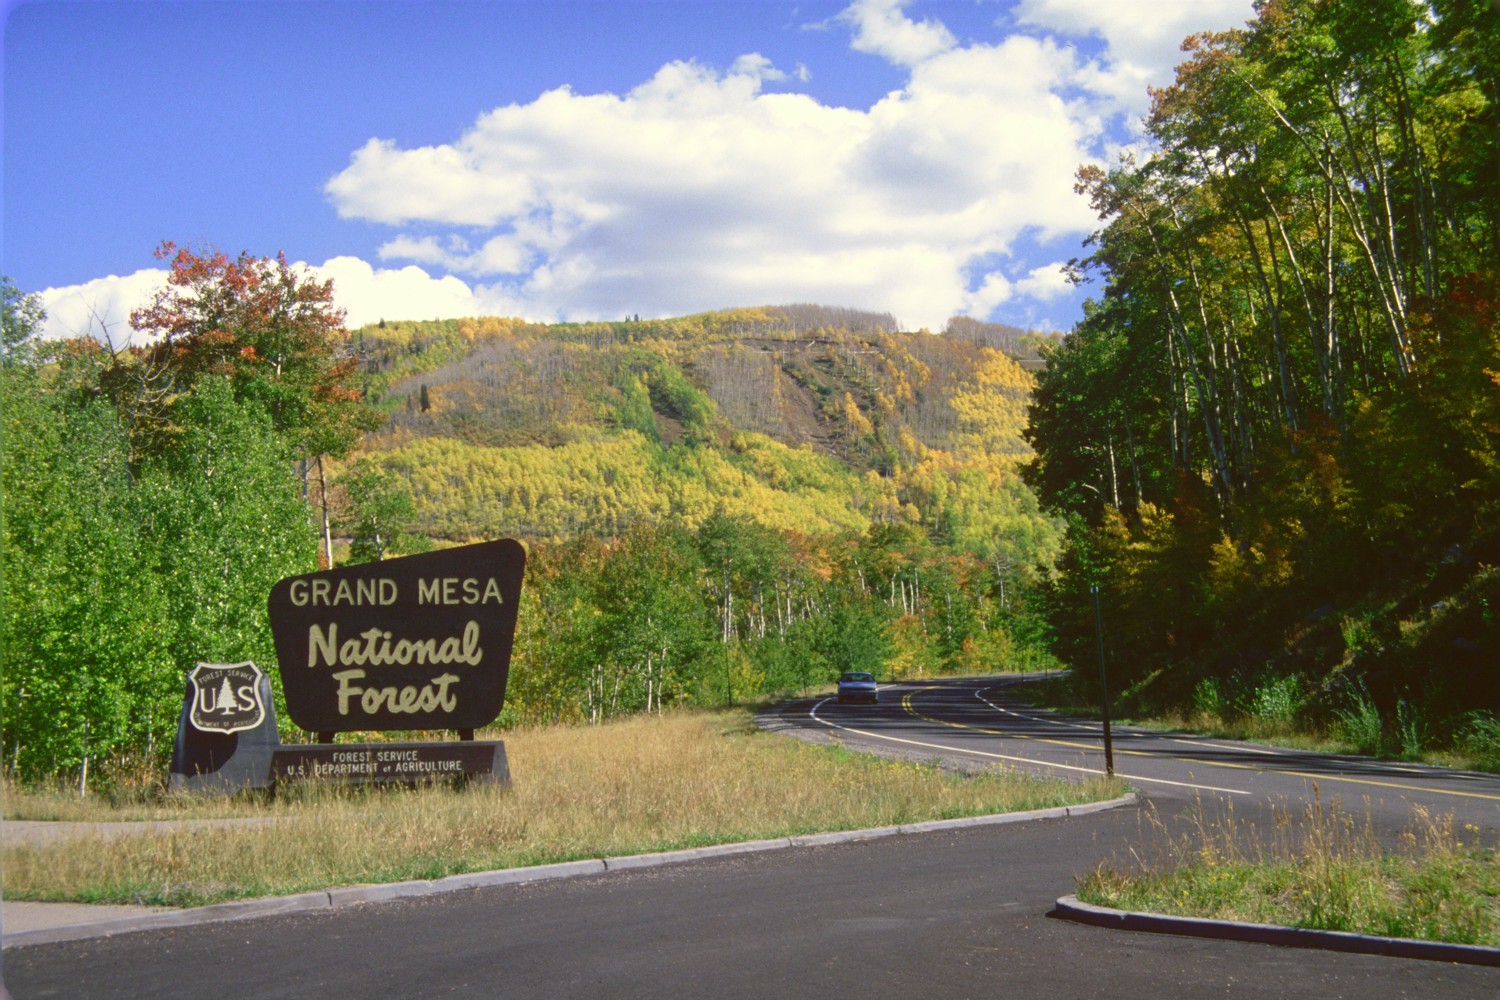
(1323, 870)
(639, 785)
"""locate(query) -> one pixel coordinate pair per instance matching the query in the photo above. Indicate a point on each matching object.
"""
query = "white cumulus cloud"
(1046, 283)
(367, 294)
(699, 189)
(882, 28)
(1143, 42)
(99, 308)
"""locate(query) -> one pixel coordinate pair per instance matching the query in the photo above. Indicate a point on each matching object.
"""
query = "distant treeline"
(1013, 340)
(660, 615)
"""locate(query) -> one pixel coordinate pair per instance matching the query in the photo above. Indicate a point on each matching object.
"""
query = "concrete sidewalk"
(20, 915)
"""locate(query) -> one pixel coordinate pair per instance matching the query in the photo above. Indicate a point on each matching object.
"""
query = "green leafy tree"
(652, 627)
(376, 514)
(86, 676)
(226, 503)
(853, 635)
(1291, 357)
(21, 318)
(145, 523)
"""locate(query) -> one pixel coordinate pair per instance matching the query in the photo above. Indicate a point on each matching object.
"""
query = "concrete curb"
(1071, 908)
(270, 906)
(353, 895)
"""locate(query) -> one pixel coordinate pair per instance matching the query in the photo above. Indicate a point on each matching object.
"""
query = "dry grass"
(1323, 870)
(635, 786)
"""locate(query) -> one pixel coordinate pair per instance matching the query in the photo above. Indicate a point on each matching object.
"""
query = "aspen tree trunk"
(1322, 339)
(1334, 171)
(323, 503)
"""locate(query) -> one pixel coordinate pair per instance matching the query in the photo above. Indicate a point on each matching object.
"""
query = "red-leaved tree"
(271, 329)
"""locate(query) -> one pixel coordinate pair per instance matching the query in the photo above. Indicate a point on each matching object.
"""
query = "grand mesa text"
(384, 591)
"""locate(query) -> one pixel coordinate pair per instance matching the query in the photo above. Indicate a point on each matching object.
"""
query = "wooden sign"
(420, 642)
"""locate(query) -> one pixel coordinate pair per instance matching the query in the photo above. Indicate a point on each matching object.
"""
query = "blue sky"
(577, 160)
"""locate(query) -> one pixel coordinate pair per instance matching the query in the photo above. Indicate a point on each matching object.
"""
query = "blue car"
(856, 685)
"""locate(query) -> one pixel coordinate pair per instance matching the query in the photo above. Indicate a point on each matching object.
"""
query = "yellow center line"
(906, 703)
(912, 711)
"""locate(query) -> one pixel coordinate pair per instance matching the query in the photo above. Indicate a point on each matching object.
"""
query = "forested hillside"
(721, 505)
(1277, 433)
(801, 418)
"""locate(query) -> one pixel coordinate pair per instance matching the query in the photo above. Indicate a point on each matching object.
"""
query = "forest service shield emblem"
(226, 697)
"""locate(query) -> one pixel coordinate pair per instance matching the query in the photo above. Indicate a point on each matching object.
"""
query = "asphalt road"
(954, 914)
(984, 722)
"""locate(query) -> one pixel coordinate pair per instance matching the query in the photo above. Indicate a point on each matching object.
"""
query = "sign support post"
(1109, 750)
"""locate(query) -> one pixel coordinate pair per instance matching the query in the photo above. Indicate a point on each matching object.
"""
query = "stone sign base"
(209, 761)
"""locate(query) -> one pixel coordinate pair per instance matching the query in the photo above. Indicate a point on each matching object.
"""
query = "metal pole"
(1109, 749)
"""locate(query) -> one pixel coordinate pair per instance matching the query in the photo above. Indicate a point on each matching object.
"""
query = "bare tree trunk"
(323, 503)
(83, 777)
(1114, 473)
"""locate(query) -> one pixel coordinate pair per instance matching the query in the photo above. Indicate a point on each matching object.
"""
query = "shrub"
(1360, 635)
(1480, 737)
(1210, 699)
(1278, 700)
(1411, 728)
(1359, 724)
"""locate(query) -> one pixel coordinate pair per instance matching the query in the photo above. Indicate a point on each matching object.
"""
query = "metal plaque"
(390, 762)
